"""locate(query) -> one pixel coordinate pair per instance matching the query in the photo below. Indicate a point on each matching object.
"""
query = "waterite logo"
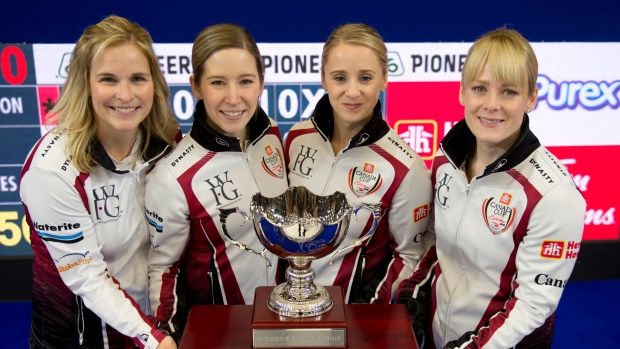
(421, 135)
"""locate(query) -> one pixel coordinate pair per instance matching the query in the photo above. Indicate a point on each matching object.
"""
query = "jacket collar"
(323, 120)
(156, 148)
(460, 142)
(213, 140)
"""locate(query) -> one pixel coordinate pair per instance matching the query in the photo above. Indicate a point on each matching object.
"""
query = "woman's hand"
(167, 343)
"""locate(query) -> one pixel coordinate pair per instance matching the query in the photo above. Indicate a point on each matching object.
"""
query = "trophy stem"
(299, 297)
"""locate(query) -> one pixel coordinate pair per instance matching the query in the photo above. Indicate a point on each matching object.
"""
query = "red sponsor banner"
(422, 113)
(593, 173)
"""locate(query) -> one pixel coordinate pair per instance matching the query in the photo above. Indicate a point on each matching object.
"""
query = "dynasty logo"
(273, 163)
(498, 215)
(364, 181)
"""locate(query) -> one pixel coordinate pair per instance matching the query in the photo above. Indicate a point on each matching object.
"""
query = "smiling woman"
(82, 187)
(122, 95)
(506, 213)
(232, 152)
(230, 87)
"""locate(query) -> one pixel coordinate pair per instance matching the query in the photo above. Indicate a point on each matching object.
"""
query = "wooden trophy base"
(271, 330)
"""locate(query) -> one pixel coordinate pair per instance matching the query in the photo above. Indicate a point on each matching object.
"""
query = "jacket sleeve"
(408, 219)
(62, 220)
(167, 213)
(544, 260)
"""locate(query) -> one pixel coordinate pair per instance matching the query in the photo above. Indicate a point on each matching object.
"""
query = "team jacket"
(506, 244)
(90, 242)
(376, 167)
(191, 261)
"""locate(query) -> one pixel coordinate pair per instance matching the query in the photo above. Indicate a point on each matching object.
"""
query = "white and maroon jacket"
(506, 244)
(191, 262)
(90, 242)
(376, 167)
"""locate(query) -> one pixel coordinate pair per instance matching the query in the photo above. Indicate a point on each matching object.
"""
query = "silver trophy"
(300, 227)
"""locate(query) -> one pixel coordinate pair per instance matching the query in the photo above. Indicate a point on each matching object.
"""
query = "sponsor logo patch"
(552, 249)
(363, 181)
(420, 212)
(497, 215)
(273, 163)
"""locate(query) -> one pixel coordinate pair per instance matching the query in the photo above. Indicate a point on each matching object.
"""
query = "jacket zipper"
(467, 192)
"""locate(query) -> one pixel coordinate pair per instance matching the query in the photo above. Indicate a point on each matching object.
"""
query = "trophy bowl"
(300, 226)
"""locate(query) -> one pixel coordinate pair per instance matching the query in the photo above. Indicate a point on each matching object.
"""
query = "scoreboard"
(577, 115)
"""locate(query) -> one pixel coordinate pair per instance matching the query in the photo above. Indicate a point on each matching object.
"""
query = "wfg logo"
(443, 188)
(107, 202)
(304, 159)
(222, 188)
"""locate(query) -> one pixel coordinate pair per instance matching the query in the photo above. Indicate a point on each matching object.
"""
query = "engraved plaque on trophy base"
(270, 330)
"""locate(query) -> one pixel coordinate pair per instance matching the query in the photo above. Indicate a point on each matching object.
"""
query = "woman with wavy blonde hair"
(82, 187)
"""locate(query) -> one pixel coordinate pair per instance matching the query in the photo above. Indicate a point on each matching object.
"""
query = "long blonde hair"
(73, 112)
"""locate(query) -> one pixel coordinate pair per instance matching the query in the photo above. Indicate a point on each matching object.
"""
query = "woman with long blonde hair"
(82, 187)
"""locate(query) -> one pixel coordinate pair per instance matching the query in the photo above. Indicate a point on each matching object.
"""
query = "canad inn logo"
(364, 181)
(498, 215)
(273, 163)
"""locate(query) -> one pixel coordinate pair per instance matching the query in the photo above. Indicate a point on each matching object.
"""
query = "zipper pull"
(465, 189)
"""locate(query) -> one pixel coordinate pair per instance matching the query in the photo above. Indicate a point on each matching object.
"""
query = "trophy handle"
(376, 214)
(224, 213)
